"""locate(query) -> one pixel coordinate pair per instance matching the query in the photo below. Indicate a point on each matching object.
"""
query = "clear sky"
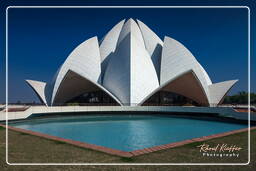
(41, 39)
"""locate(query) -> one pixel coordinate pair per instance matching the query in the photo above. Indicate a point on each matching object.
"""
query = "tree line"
(240, 98)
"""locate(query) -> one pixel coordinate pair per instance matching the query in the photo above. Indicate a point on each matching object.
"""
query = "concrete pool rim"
(190, 115)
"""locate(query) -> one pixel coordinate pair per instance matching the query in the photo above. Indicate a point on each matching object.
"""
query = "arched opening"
(93, 98)
(185, 89)
(165, 98)
(77, 90)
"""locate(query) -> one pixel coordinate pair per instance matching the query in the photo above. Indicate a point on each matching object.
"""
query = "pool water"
(127, 132)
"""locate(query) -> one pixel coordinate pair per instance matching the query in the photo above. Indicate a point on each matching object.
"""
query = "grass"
(195, 144)
(32, 149)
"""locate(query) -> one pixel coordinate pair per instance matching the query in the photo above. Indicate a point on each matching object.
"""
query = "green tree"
(240, 98)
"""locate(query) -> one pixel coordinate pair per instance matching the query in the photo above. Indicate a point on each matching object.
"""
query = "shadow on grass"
(59, 142)
(127, 159)
(24, 134)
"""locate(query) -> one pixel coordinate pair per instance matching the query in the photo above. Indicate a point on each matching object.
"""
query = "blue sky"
(41, 39)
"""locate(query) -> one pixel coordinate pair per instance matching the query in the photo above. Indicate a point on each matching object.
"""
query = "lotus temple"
(131, 66)
(127, 95)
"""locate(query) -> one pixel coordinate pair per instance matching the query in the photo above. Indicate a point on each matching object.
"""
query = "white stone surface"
(153, 45)
(39, 88)
(131, 26)
(143, 75)
(117, 75)
(177, 59)
(130, 74)
(108, 44)
(84, 60)
(219, 90)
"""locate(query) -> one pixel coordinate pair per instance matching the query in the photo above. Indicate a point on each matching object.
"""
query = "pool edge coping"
(121, 153)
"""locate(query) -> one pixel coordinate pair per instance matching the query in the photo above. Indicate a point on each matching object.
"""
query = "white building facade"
(131, 64)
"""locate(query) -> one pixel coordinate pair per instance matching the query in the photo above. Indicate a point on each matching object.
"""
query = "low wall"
(38, 110)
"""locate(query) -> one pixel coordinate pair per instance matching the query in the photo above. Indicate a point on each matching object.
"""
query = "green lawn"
(31, 149)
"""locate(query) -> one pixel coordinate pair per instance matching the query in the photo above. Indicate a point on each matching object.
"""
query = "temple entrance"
(93, 98)
(165, 98)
